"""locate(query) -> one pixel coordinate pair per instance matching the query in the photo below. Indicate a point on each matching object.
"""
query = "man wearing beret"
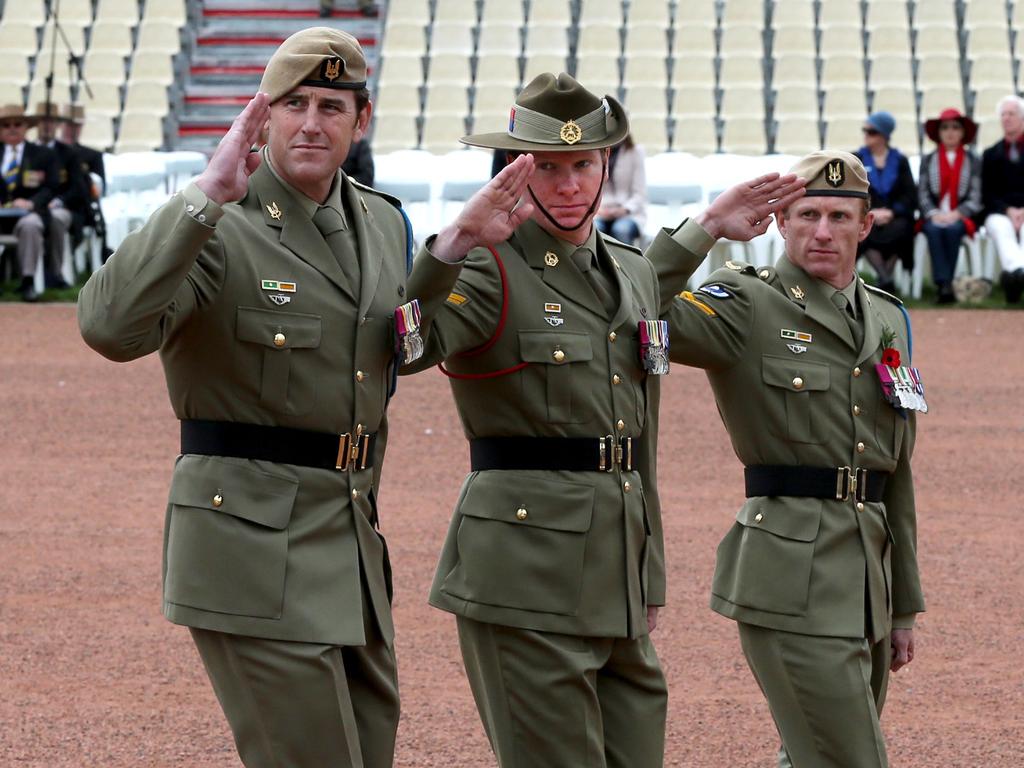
(554, 561)
(271, 291)
(811, 371)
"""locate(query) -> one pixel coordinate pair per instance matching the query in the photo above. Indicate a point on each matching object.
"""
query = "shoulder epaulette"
(742, 267)
(362, 187)
(611, 241)
(886, 294)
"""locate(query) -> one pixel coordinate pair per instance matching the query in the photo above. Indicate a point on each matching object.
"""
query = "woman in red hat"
(949, 188)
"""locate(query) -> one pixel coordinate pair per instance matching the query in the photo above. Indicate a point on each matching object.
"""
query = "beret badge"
(570, 132)
(835, 173)
(331, 69)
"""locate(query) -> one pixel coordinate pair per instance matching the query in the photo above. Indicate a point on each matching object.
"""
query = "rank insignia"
(687, 296)
(274, 211)
(278, 285)
(716, 291)
(456, 299)
(798, 292)
(734, 266)
(279, 298)
(408, 342)
(551, 259)
(570, 132)
(795, 335)
(654, 346)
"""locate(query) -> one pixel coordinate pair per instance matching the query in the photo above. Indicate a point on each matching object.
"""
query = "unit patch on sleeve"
(715, 291)
(456, 299)
(687, 296)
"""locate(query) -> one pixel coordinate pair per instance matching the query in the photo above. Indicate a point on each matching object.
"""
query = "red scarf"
(949, 180)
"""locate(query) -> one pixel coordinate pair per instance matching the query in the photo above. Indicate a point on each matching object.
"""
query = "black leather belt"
(839, 483)
(575, 454)
(282, 445)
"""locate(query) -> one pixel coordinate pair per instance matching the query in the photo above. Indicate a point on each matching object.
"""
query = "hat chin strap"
(588, 214)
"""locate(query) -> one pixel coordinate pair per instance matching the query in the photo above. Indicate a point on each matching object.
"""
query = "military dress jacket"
(38, 178)
(256, 322)
(575, 552)
(806, 565)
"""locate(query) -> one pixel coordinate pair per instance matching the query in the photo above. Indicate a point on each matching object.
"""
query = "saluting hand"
(491, 215)
(227, 175)
(744, 211)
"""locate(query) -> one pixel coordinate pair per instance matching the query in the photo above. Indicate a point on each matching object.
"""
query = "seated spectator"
(1002, 195)
(29, 180)
(359, 163)
(71, 194)
(91, 162)
(893, 201)
(949, 194)
(623, 208)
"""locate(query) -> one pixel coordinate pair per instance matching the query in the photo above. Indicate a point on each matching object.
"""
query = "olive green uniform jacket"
(804, 565)
(278, 553)
(587, 557)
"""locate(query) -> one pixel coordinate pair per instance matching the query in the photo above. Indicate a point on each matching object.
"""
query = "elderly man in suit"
(30, 181)
(276, 294)
(811, 371)
(554, 561)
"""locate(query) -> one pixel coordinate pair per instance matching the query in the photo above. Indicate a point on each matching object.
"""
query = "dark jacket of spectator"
(1002, 181)
(37, 181)
(892, 187)
(359, 163)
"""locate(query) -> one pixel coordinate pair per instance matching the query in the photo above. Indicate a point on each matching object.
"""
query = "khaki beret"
(323, 57)
(832, 173)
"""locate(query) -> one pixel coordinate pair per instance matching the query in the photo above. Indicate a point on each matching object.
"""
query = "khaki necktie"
(856, 329)
(586, 262)
(332, 226)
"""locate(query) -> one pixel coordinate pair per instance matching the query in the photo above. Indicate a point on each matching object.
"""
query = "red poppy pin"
(890, 355)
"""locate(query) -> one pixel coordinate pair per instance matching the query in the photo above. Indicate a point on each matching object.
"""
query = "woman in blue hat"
(893, 201)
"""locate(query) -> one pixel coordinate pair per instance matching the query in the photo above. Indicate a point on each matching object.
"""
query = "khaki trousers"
(561, 701)
(306, 705)
(825, 694)
(29, 231)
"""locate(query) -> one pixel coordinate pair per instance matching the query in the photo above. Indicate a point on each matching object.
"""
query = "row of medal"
(654, 346)
(902, 387)
(408, 340)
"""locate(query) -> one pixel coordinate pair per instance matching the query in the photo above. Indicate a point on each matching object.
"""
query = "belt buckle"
(846, 483)
(608, 453)
(344, 452)
(860, 488)
(625, 457)
(361, 450)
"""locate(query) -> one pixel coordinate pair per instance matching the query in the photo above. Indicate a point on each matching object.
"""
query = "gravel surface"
(91, 675)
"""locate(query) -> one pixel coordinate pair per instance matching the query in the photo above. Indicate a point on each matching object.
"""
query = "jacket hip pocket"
(227, 538)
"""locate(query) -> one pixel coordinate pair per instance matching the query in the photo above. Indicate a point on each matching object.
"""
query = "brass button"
(558, 355)
(856, 372)
(860, 506)
(856, 410)
(355, 493)
(616, 379)
(798, 383)
(861, 447)
(360, 375)
(758, 517)
(521, 513)
(218, 500)
(627, 487)
(279, 339)
(620, 425)
(612, 336)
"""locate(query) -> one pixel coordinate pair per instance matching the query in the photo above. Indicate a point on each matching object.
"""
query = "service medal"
(654, 346)
(408, 342)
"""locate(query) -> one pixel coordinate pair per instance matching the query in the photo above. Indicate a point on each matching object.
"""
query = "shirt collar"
(534, 237)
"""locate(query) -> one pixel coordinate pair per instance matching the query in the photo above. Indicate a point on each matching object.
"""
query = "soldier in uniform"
(554, 561)
(811, 372)
(270, 290)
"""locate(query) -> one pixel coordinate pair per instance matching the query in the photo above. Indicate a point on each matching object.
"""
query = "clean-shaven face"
(822, 234)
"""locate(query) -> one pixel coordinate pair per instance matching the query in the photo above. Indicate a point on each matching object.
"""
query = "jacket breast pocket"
(796, 388)
(227, 538)
(554, 358)
(765, 561)
(283, 338)
(521, 542)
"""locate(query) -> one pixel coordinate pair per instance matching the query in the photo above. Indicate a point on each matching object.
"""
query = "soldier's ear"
(780, 222)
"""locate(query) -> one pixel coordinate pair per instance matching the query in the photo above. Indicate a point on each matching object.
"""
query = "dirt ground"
(92, 675)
